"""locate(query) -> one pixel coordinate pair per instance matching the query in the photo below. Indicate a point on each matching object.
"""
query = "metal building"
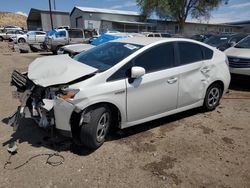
(107, 20)
(40, 19)
(245, 24)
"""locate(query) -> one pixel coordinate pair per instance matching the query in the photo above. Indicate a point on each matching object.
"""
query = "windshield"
(217, 40)
(106, 55)
(51, 33)
(245, 43)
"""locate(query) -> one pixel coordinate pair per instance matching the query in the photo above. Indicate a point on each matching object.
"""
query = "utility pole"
(54, 4)
(51, 20)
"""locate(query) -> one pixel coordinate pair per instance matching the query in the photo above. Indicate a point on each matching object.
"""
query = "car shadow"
(29, 132)
(240, 82)
(123, 133)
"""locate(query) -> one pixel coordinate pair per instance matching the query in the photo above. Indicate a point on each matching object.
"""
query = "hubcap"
(102, 127)
(213, 97)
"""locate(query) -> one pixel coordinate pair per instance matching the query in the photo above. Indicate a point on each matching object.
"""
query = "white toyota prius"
(120, 83)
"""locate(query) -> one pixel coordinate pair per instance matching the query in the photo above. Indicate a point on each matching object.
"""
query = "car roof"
(144, 41)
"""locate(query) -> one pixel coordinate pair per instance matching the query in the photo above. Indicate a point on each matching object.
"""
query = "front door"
(156, 92)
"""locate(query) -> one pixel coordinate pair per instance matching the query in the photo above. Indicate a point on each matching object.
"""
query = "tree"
(178, 10)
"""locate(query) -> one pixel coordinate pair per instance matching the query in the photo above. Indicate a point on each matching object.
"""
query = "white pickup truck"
(57, 38)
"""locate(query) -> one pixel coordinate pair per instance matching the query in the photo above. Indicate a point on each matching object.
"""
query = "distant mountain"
(9, 18)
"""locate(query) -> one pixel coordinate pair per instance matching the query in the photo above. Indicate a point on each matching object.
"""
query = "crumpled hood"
(238, 52)
(59, 69)
(78, 47)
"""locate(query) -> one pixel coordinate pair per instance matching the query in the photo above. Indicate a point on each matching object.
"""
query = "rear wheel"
(21, 40)
(1, 39)
(93, 134)
(212, 97)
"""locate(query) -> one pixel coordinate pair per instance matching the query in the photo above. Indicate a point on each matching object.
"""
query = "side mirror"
(137, 72)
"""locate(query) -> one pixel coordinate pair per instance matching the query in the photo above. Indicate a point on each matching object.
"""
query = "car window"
(60, 34)
(156, 58)
(121, 73)
(157, 35)
(32, 33)
(207, 53)
(217, 40)
(245, 43)
(189, 52)
(40, 33)
(237, 38)
(11, 32)
(75, 34)
(165, 35)
(106, 55)
(150, 35)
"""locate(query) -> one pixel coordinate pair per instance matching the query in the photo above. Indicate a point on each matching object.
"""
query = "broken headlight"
(68, 93)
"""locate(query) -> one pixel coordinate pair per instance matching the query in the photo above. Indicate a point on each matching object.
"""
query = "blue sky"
(235, 10)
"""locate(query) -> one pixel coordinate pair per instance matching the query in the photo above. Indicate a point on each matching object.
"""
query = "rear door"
(156, 92)
(193, 73)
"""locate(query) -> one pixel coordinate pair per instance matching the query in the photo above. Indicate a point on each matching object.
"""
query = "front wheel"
(93, 134)
(212, 98)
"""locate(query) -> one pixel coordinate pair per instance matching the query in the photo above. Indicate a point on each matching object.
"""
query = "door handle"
(205, 70)
(172, 80)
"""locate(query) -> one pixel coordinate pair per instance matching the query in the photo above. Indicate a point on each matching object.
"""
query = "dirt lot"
(191, 149)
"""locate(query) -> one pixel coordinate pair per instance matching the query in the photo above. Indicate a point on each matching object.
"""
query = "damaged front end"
(47, 106)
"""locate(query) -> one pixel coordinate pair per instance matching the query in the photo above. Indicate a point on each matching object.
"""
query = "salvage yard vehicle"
(150, 34)
(239, 57)
(120, 83)
(10, 34)
(74, 49)
(225, 40)
(31, 37)
(57, 38)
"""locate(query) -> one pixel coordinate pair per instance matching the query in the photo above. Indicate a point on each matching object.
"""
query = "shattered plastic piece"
(48, 104)
(12, 148)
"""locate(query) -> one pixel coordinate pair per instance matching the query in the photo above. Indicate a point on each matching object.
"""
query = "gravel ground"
(190, 149)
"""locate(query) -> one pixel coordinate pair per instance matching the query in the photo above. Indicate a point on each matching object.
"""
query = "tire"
(1, 39)
(93, 134)
(213, 96)
(57, 48)
(21, 40)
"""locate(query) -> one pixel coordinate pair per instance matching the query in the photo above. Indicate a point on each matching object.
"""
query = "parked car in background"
(16, 34)
(149, 34)
(225, 40)
(74, 49)
(239, 57)
(201, 37)
(10, 35)
(31, 37)
(120, 83)
(11, 28)
(57, 38)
